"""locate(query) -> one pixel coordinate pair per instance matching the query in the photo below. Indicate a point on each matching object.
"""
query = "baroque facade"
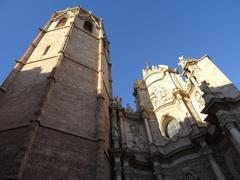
(60, 121)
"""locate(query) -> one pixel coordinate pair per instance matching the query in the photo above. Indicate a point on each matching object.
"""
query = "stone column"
(126, 170)
(100, 106)
(123, 138)
(196, 84)
(191, 116)
(118, 173)
(216, 169)
(115, 129)
(180, 99)
(141, 100)
(118, 168)
(226, 121)
(157, 170)
(100, 60)
(150, 139)
(235, 135)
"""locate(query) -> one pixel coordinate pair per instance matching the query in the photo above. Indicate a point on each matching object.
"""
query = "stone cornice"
(209, 107)
(157, 155)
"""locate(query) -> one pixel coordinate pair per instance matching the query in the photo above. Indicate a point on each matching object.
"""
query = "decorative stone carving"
(191, 169)
(189, 176)
(182, 62)
(199, 99)
(115, 128)
(117, 102)
(189, 173)
(207, 90)
(158, 170)
(225, 118)
(155, 99)
(138, 140)
(129, 109)
(159, 96)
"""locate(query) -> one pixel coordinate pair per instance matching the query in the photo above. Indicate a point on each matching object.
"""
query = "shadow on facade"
(200, 149)
(21, 100)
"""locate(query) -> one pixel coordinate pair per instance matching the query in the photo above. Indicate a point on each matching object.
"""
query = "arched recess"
(171, 128)
(88, 26)
(62, 22)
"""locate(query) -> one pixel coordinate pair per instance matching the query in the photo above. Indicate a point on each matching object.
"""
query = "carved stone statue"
(129, 109)
(115, 129)
(205, 88)
(117, 102)
(182, 62)
(199, 99)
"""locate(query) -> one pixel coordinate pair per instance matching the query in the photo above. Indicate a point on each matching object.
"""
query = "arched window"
(173, 129)
(88, 26)
(46, 50)
(61, 22)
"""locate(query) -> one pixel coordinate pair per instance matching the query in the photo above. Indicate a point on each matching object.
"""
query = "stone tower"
(54, 105)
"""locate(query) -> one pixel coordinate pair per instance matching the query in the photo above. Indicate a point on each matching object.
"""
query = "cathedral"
(60, 121)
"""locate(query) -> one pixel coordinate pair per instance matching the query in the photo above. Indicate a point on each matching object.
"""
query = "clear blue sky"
(157, 30)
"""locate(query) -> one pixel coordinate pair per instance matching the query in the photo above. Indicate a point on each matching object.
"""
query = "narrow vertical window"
(46, 50)
(61, 22)
(88, 26)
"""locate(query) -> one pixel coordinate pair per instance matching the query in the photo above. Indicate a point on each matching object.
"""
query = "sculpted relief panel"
(160, 86)
(160, 95)
(136, 137)
(195, 169)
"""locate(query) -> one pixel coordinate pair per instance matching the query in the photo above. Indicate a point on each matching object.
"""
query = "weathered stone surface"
(72, 99)
(55, 95)
(57, 155)
(12, 149)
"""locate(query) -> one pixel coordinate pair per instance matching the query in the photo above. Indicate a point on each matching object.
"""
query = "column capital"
(229, 126)
(215, 167)
(226, 119)
(177, 93)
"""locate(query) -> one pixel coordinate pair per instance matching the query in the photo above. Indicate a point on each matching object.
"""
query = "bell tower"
(54, 105)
